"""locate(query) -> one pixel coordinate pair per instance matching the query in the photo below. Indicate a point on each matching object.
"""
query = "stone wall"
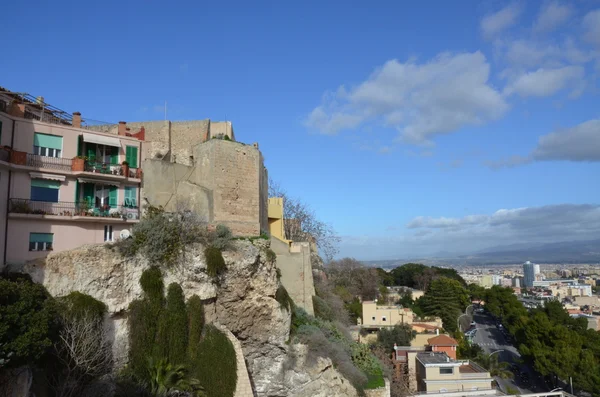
(296, 272)
(226, 184)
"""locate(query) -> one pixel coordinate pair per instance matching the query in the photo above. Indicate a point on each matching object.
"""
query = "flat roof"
(434, 358)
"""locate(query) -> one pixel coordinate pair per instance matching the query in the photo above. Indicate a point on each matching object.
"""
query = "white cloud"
(591, 24)
(552, 16)
(419, 100)
(495, 23)
(579, 143)
(545, 82)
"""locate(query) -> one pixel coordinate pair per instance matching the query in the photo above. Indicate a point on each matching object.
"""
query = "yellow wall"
(276, 218)
(374, 315)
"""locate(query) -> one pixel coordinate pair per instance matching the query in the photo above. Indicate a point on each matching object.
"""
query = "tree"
(27, 321)
(165, 378)
(173, 332)
(83, 350)
(477, 292)
(417, 275)
(400, 334)
(357, 279)
(302, 224)
(496, 368)
(445, 298)
(386, 278)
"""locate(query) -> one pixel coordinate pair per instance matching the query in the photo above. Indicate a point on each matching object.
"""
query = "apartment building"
(438, 373)
(376, 316)
(62, 184)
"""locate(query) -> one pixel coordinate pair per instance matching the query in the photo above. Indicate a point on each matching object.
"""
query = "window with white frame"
(108, 233)
(47, 145)
(446, 370)
(41, 241)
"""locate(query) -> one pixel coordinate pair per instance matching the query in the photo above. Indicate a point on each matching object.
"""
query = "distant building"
(529, 272)
(516, 282)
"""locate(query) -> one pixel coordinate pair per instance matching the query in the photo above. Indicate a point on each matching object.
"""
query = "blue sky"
(411, 128)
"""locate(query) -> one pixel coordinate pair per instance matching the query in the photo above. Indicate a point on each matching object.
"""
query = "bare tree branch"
(301, 223)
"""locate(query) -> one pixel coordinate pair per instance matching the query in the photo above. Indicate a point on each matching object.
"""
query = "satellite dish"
(124, 234)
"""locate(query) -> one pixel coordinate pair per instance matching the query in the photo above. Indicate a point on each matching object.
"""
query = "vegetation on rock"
(28, 321)
(215, 264)
(215, 363)
(171, 347)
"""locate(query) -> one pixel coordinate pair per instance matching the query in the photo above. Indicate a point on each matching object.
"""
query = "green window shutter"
(45, 183)
(130, 199)
(131, 156)
(114, 155)
(79, 145)
(90, 150)
(41, 237)
(49, 141)
(112, 196)
(76, 191)
(88, 193)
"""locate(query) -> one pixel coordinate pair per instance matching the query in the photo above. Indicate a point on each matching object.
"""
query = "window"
(131, 156)
(47, 145)
(130, 199)
(108, 233)
(446, 370)
(373, 318)
(40, 241)
(44, 190)
(383, 318)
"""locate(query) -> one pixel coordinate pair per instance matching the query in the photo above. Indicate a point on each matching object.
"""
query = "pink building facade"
(62, 184)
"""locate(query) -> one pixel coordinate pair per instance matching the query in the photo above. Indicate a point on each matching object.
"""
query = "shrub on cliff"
(195, 317)
(284, 299)
(27, 321)
(173, 332)
(215, 365)
(215, 264)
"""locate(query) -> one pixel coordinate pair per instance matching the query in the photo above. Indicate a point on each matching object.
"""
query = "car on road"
(473, 324)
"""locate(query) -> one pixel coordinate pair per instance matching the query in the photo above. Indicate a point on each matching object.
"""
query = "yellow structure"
(275, 212)
(377, 316)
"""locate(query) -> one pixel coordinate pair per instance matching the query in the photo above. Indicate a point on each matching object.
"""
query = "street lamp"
(458, 319)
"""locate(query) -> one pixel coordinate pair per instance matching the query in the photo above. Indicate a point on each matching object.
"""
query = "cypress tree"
(173, 328)
(195, 313)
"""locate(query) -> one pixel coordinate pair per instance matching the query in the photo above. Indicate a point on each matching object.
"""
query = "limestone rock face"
(242, 300)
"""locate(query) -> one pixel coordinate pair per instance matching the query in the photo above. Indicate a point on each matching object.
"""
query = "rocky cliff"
(242, 300)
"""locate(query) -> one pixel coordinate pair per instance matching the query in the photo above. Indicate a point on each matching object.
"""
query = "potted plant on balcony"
(125, 168)
(78, 163)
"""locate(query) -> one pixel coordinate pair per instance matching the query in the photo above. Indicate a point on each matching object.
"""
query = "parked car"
(473, 324)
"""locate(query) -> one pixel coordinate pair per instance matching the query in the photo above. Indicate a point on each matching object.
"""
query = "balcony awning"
(43, 175)
(101, 139)
(97, 182)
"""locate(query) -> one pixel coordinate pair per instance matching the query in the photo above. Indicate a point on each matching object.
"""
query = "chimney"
(16, 109)
(76, 120)
(122, 128)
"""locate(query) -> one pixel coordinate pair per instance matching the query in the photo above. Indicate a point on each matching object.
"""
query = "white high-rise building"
(529, 272)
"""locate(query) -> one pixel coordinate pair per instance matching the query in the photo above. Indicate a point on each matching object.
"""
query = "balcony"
(81, 211)
(68, 165)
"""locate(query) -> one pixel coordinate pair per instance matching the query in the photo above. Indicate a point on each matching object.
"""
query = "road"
(491, 339)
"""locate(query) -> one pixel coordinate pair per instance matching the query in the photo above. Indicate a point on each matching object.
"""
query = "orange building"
(445, 344)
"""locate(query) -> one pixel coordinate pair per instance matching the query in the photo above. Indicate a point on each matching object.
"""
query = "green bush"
(322, 309)
(284, 299)
(152, 283)
(215, 366)
(79, 305)
(221, 239)
(144, 317)
(375, 381)
(27, 321)
(195, 314)
(271, 255)
(173, 333)
(214, 261)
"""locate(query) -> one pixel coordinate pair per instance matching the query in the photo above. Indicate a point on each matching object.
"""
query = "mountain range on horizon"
(587, 251)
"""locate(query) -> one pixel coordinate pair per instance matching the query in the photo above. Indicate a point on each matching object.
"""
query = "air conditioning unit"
(131, 215)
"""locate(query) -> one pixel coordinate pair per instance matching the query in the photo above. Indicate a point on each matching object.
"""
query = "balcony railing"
(71, 209)
(103, 168)
(55, 163)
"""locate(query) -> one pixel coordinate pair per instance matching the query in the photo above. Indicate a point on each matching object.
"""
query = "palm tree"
(496, 368)
(164, 378)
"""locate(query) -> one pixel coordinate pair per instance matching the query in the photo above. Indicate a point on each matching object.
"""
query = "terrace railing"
(56, 163)
(70, 209)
